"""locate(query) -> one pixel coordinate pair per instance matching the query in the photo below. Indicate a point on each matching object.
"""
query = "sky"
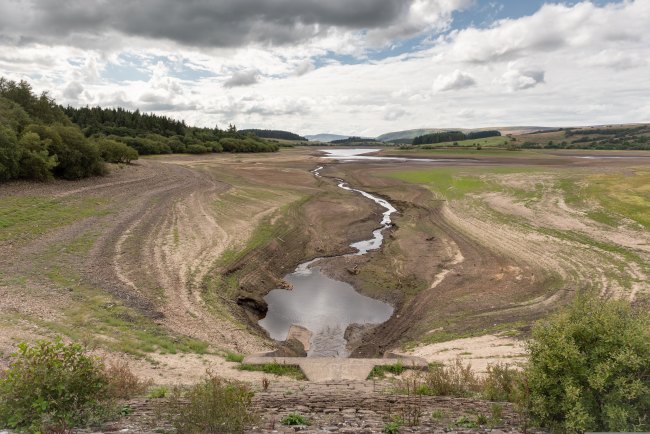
(354, 67)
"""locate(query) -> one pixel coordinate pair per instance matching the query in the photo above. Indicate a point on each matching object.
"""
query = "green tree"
(9, 155)
(589, 368)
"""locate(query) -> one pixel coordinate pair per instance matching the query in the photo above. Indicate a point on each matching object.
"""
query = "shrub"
(122, 383)
(451, 380)
(197, 149)
(113, 151)
(380, 371)
(589, 368)
(212, 406)
(294, 419)
(500, 383)
(53, 383)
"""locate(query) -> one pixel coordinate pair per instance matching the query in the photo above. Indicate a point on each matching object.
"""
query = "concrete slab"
(324, 369)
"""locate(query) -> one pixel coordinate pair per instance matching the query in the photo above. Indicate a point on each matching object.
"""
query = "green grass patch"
(24, 218)
(234, 357)
(380, 371)
(456, 182)
(276, 369)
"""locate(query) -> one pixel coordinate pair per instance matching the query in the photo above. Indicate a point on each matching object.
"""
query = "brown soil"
(168, 247)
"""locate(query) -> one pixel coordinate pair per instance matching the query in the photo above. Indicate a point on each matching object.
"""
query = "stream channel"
(320, 304)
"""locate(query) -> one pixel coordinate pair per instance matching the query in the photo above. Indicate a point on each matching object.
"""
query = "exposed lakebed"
(320, 304)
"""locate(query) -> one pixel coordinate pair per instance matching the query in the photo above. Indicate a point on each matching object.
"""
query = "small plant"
(234, 357)
(500, 382)
(481, 419)
(496, 414)
(122, 382)
(466, 422)
(294, 419)
(214, 405)
(51, 386)
(392, 427)
(265, 384)
(437, 414)
(158, 392)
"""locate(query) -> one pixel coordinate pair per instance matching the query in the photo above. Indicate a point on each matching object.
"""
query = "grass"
(380, 371)
(234, 357)
(457, 182)
(276, 369)
(24, 218)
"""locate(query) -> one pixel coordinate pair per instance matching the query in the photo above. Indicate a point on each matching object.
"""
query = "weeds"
(158, 392)
(234, 357)
(294, 419)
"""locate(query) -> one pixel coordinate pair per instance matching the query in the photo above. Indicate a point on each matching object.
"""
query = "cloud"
(455, 81)
(552, 28)
(225, 23)
(242, 78)
(73, 90)
(521, 79)
(394, 113)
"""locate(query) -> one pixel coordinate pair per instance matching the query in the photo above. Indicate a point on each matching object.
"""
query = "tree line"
(275, 134)
(41, 140)
(453, 136)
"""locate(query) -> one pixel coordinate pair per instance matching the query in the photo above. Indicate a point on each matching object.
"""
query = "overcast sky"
(361, 67)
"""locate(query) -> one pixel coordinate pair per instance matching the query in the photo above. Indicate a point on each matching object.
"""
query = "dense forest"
(274, 134)
(453, 136)
(153, 134)
(41, 140)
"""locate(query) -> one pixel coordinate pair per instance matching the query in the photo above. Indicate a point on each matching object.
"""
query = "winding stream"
(322, 305)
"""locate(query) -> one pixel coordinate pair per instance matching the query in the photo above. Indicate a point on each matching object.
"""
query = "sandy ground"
(478, 351)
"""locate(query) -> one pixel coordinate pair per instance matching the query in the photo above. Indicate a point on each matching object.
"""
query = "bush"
(501, 383)
(452, 380)
(122, 383)
(197, 149)
(589, 368)
(113, 151)
(50, 382)
(212, 406)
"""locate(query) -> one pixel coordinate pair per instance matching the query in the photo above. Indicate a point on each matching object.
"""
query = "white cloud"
(521, 79)
(457, 80)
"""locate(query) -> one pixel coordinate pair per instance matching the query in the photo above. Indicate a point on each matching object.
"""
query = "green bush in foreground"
(214, 405)
(50, 385)
(589, 369)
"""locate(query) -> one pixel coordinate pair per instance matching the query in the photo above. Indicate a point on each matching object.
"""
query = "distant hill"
(403, 136)
(325, 137)
(274, 134)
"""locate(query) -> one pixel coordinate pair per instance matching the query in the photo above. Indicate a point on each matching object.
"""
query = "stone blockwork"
(367, 407)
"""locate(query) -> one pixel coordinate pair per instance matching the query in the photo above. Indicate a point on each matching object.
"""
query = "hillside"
(411, 134)
(325, 137)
